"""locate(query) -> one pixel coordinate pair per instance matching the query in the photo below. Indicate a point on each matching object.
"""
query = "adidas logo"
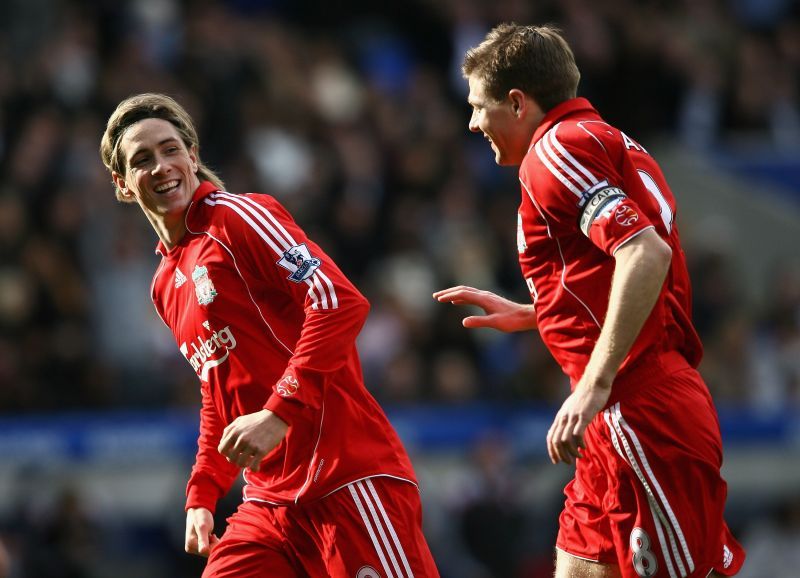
(180, 278)
(727, 556)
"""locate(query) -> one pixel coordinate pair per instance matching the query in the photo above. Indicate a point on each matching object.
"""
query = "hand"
(500, 313)
(200, 539)
(565, 437)
(249, 438)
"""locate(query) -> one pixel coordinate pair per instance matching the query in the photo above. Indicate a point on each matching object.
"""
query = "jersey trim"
(313, 453)
(250, 485)
(535, 204)
(632, 237)
(591, 134)
(595, 560)
(398, 478)
(561, 254)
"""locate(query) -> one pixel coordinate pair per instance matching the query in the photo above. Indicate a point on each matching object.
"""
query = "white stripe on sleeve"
(272, 242)
(556, 173)
(280, 232)
(569, 158)
(547, 145)
(563, 165)
(246, 208)
(331, 289)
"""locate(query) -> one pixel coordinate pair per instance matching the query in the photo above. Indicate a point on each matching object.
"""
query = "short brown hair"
(535, 59)
(149, 105)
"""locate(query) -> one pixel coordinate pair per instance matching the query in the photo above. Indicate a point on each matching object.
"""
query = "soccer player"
(599, 250)
(268, 322)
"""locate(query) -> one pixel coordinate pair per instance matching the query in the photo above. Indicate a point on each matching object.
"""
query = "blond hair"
(142, 106)
(535, 59)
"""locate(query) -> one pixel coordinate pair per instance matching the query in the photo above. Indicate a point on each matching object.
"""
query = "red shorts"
(648, 495)
(368, 529)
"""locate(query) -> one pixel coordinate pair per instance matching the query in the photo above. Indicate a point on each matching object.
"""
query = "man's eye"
(172, 150)
(140, 162)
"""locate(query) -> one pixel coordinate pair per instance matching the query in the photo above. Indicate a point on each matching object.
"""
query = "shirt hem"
(290, 502)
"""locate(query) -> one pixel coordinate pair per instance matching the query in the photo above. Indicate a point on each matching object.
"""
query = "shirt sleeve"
(275, 249)
(575, 186)
(212, 475)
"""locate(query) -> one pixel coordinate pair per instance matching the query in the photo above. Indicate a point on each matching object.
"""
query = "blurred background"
(353, 115)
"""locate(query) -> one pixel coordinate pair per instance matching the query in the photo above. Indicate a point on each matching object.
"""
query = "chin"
(500, 158)
(507, 161)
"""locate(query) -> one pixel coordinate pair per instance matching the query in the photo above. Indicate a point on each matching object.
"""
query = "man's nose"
(159, 166)
(473, 123)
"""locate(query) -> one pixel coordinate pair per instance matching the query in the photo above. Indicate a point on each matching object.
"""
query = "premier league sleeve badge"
(299, 262)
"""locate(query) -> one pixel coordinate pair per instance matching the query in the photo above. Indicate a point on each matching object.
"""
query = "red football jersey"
(587, 188)
(267, 320)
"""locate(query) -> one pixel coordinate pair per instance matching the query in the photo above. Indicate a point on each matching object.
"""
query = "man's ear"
(193, 157)
(519, 101)
(525, 107)
(120, 182)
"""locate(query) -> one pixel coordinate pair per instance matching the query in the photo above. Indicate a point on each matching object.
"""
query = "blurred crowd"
(353, 115)
(356, 120)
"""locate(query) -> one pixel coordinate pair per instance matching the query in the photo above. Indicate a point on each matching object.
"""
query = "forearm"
(328, 336)
(641, 267)
(326, 343)
(212, 475)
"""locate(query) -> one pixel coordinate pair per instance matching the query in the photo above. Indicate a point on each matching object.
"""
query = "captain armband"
(596, 202)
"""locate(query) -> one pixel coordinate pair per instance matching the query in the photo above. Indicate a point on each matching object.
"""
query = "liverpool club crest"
(203, 287)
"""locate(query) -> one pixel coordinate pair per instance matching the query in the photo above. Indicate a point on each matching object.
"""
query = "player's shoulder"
(226, 216)
(224, 199)
(221, 208)
(573, 140)
(579, 135)
(569, 156)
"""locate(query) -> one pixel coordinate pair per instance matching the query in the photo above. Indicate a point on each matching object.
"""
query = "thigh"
(568, 566)
(584, 529)
(371, 529)
(664, 459)
(251, 547)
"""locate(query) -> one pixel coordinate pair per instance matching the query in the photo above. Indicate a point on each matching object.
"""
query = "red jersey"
(587, 188)
(267, 320)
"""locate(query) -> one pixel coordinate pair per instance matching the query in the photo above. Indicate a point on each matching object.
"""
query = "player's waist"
(649, 368)
(652, 364)
(283, 491)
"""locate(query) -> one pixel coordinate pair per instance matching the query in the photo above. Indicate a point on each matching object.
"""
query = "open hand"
(500, 313)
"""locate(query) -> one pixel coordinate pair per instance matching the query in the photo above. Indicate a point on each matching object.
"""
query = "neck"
(536, 120)
(169, 230)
